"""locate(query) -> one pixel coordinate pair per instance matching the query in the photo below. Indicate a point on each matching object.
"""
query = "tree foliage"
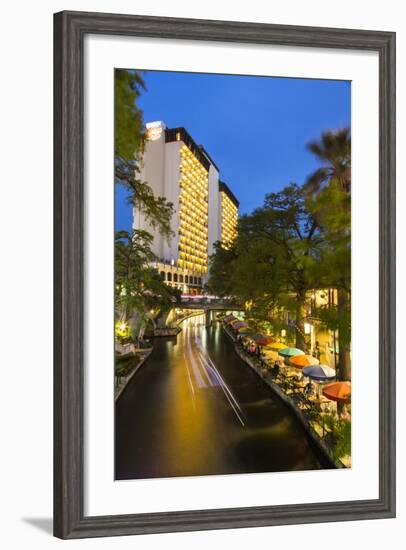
(328, 193)
(138, 286)
(299, 240)
(273, 262)
(129, 144)
(129, 124)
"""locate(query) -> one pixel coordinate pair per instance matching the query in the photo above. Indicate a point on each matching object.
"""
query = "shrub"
(341, 434)
(123, 366)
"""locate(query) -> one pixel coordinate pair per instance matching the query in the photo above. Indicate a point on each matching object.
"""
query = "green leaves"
(299, 240)
(129, 143)
(271, 264)
(128, 132)
(138, 286)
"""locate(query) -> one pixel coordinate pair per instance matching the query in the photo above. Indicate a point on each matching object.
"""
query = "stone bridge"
(208, 305)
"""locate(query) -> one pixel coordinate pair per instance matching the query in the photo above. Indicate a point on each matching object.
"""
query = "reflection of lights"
(283, 333)
(122, 327)
(307, 328)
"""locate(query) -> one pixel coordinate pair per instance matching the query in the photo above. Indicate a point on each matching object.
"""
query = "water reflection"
(195, 408)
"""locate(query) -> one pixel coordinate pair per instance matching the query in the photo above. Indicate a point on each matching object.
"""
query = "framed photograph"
(224, 274)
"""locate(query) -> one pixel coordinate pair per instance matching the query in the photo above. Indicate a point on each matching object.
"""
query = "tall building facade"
(228, 215)
(205, 209)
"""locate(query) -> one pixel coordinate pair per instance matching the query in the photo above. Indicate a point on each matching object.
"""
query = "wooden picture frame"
(70, 30)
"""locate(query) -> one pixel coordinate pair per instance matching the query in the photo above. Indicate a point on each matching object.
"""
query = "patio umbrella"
(250, 337)
(277, 346)
(255, 336)
(240, 324)
(231, 319)
(300, 361)
(338, 391)
(258, 336)
(319, 372)
(290, 352)
(265, 341)
(234, 321)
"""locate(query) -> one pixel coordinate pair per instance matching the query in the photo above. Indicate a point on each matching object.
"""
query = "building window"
(175, 277)
(199, 281)
(187, 279)
(169, 276)
(181, 278)
(162, 274)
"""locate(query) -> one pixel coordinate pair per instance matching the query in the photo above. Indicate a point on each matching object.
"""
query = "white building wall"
(161, 170)
(214, 228)
(152, 172)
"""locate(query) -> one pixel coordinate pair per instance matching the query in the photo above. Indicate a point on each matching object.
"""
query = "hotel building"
(229, 215)
(205, 209)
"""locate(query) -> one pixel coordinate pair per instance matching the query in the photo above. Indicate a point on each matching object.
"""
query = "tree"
(129, 125)
(289, 238)
(333, 149)
(138, 286)
(129, 144)
(273, 259)
(220, 269)
(328, 193)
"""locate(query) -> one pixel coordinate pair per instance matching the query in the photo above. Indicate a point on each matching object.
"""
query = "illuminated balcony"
(193, 213)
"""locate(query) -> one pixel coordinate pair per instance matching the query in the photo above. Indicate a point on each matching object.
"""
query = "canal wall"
(124, 380)
(288, 401)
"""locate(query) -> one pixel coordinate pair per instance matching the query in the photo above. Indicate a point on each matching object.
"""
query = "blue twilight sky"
(254, 128)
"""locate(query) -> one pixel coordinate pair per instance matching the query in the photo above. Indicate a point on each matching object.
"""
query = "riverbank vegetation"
(296, 242)
(139, 290)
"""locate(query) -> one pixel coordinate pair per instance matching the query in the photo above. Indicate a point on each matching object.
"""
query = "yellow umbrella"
(277, 346)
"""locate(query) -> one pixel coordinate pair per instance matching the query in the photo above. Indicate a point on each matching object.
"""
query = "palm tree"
(329, 196)
(334, 150)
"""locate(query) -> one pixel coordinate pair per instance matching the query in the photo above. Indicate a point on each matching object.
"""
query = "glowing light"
(122, 329)
(229, 219)
(154, 130)
(193, 214)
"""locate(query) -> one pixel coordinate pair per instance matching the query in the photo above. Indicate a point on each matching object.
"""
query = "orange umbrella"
(301, 361)
(338, 391)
